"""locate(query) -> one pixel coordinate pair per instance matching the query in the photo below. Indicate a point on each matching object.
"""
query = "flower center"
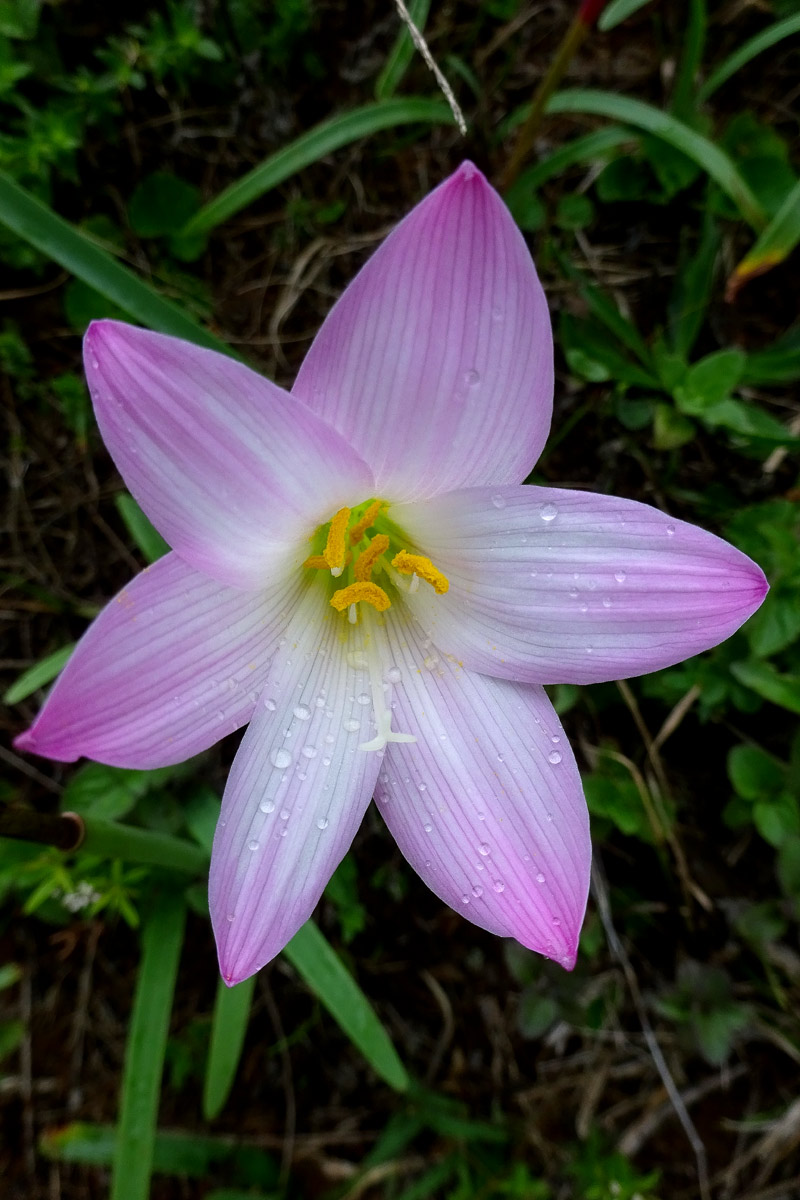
(362, 540)
(354, 544)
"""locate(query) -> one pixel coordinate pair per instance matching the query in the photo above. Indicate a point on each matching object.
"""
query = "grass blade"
(145, 535)
(325, 973)
(401, 52)
(36, 224)
(228, 1029)
(590, 147)
(749, 49)
(162, 939)
(112, 840)
(662, 125)
(37, 675)
(617, 12)
(309, 147)
(774, 244)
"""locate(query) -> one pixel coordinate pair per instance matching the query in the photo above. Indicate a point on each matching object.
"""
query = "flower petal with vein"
(359, 575)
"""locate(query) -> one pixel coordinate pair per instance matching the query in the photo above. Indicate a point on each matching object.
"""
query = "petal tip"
(25, 741)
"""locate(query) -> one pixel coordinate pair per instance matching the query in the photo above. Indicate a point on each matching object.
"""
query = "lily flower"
(360, 576)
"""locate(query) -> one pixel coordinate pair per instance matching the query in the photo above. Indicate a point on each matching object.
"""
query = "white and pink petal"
(436, 364)
(297, 791)
(232, 471)
(555, 586)
(173, 663)
(487, 805)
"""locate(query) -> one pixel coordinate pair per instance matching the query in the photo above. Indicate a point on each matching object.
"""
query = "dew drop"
(326, 762)
(320, 701)
(393, 675)
(498, 885)
(309, 751)
(329, 739)
(465, 899)
(620, 576)
(606, 602)
(302, 712)
(428, 828)
(231, 916)
(253, 845)
(584, 608)
(477, 891)
(549, 512)
(556, 921)
(270, 704)
(322, 822)
(431, 661)
(499, 501)
(472, 377)
(351, 725)
(266, 806)
(285, 814)
(280, 758)
(484, 849)
(422, 787)
(363, 698)
(670, 531)
(540, 878)
(548, 816)
(283, 831)
(554, 757)
(573, 593)
(555, 739)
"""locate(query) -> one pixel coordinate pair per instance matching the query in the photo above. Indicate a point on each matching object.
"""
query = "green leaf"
(10, 973)
(35, 223)
(591, 147)
(401, 52)
(777, 819)
(776, 625)
(162, 939)
(774, 244)
(709, 381)
(228, 1030)
(146, 536)
(617, 12)
(161, 205)
(535, 1014)
(38, 675)
(747, 51)
(693, 287)
(672, 131)
(670, 429)
(324, 972)
(109, 840)
(754, 773)
(778, 363)
(96, 790)
(574, 211)
(19, 18)
(767, 682)
(84, 304)
(11, 1034)
(318, 142)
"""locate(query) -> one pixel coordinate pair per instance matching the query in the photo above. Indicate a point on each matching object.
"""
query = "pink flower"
(359, 574)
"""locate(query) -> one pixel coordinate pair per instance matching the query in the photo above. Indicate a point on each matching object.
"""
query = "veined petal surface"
(173, 663)
(436, 364)
(555, 586)
(233, 472)
(487, 806)
(297, 791)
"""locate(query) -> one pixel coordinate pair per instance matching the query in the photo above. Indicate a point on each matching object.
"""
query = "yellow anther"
(364, 590)
(418, 564)
(361, 527)
(366, 560)
(318, 561)
(335, 545)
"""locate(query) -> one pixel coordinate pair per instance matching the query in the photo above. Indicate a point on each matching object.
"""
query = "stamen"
(364, 590)
(335, 545)
(413, 583)
(367, 558)
(318, 561)
(417, 564)
(361, 527)
(381, 698)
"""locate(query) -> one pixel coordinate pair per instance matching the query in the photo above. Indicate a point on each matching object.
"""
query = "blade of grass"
(773, 245)
(619, 11)
(145, 535)
(401, 52)
(662, 125)
(37, 675)
(588, 148)
(682, 102)
(317, 962)
(318, 142)
(36, 224)
(228, 1029)
(112, 840)
(750, 49)
(162, 939)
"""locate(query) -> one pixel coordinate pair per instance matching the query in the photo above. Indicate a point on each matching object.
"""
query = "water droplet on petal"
(540, 878)
(431, 661)
(465, 899)
(670, 531)
(267, 806)
(428, 828)
(472, 377)
(363, 698)
(285, 814)
(554, 757)
(322, 823)
(555, 739)
(393, 675)
(548, 512)
(309, 751)
(477, 891)
(606, 602)
(302, 712)
(280, 758)
(620, 576)
(270, 704)
(484, 849)
(231, 916)
(351, 725)
(499, 501)
(498, 885)
(422, 787)
(252, 845)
